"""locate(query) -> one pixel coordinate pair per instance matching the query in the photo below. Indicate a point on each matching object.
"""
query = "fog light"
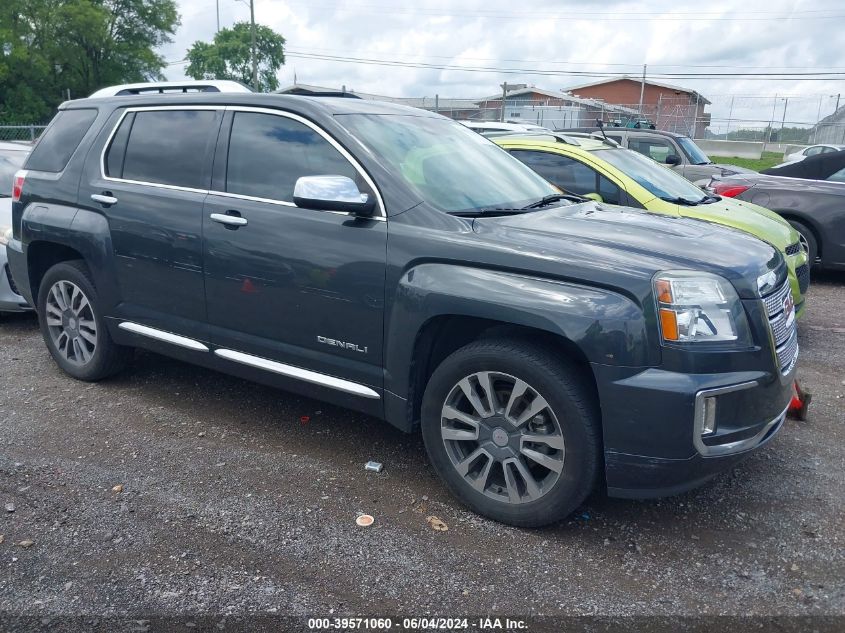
(708, 415)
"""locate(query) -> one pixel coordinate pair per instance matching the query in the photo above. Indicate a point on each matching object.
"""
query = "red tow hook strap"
(800, 402)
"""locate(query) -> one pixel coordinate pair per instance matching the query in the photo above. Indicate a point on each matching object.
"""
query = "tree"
(229, 56)
(50, 47)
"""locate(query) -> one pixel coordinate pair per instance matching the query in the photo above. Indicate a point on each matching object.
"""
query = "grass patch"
(768, 159)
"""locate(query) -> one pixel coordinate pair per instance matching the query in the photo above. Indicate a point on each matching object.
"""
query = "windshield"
(10, 163)
(447, 164)
(695, 154)
(661, 181)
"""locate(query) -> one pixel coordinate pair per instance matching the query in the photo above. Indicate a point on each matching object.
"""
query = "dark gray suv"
(394, 262)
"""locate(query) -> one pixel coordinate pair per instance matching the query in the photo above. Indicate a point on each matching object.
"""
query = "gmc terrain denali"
(394, 262)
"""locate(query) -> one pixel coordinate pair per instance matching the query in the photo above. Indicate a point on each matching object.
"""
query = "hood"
(629, 243)
(748, 217)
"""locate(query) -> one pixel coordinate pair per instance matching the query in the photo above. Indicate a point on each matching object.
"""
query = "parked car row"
(394, 262)
(809, 194)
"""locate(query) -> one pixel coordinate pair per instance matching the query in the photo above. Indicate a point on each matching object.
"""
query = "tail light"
(17, 185)
(728, 190)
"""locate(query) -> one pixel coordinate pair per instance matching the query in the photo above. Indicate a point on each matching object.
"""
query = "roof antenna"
(600, 125)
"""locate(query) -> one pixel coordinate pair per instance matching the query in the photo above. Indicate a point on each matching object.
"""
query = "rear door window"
(60, 140)
(268, 153)
(168, 147)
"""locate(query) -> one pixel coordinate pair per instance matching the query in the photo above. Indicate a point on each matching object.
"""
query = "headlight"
(696, 307)
(5, 235)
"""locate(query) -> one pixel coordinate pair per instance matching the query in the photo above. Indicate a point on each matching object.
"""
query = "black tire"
(810, 238)
(105, 358)
(572, 413)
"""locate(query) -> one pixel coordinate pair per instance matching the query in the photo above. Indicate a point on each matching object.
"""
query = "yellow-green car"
(603, 171)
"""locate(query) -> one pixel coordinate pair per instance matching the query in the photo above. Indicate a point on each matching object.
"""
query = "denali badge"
(335, 343)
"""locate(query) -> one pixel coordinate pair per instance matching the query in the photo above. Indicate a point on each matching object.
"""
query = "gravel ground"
(232, 502)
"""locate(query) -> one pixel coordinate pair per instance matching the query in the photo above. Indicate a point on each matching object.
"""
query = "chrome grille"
(788, 353)
(784, 334)
(803, 274)
(793, 249)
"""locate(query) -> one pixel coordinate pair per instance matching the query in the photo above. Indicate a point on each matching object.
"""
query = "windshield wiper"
(683, 201)
(555, 197)
(709, 199)
(477, 213)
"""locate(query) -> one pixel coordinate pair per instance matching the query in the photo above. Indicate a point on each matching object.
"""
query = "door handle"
(228, 220)
(104, 198)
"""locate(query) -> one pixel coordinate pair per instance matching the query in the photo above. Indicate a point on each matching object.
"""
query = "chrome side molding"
(161, 335)
(298, 373)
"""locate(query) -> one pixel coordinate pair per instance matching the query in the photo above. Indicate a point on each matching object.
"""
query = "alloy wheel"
(502, 437)
(71, 322)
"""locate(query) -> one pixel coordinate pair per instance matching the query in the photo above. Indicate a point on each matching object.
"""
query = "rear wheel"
(512, 431)
(808, 241)
(72, 324)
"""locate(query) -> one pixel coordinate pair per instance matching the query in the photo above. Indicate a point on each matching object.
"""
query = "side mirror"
(673, 159)
(594, 196)
(332, 193)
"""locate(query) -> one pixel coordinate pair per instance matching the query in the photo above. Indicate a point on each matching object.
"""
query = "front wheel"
(72, 325)
(512, 431)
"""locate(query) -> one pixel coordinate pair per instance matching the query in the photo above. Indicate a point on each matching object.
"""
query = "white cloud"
(608, 36)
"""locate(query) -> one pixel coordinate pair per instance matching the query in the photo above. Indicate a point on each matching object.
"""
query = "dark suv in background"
(392, 261)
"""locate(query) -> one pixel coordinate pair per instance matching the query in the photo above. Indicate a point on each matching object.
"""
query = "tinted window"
(653, 148)
(117, 148)
(60, 139)
(839, 176)
(268, 153)
(569, 174)
(170, 147)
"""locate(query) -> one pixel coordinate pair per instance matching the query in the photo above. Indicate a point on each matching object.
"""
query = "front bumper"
(10, 298)
(654, 436)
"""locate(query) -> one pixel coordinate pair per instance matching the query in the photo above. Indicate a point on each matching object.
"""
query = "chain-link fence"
(20, 132)
(767, 119)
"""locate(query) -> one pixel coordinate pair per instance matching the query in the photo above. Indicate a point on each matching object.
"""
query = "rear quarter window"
(60, 140)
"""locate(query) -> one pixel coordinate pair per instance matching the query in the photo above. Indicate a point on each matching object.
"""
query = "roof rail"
(171, 87)
(560, 138)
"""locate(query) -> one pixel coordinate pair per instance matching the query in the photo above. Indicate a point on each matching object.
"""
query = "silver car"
(12, 157)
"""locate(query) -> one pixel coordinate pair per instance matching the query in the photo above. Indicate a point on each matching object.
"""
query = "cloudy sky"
(554, 45)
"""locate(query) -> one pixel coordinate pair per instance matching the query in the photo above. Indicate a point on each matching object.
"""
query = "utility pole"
(254, 60)
(504, 95)
(768, 136)
(695, 117)
(818, 119)
(837, 102)
(659, 105)
(730, 116)
(218, 15)
(642, 91)
(783, 120)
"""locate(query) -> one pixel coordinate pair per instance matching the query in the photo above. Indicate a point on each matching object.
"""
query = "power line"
(579, 13)
(322, 50)
(770, 76)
